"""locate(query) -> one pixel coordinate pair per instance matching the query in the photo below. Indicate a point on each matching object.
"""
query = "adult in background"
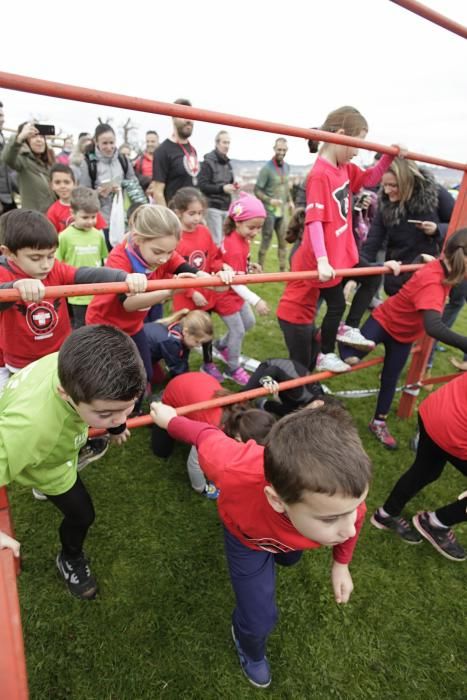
(272, 188)
(27, 153)
(175, 163)
(412, 218)
(7, 176)
(144, 163)
(65, 154)
(77, 156)
(217, 182)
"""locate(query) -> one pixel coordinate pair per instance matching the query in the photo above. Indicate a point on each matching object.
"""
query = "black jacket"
(402, 241)
(216, 171)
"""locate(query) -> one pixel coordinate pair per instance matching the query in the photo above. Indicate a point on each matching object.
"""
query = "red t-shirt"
(299, 298)
(61, 216)
(190, 388)
(444, 415)
(236, 253)
(237, 469)
(31, 330)
(401, 315)
(199, 251)
(108, 308)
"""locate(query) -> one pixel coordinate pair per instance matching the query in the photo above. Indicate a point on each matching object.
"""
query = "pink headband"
(246, 207)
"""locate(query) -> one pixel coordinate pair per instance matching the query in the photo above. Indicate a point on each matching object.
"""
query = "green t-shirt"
(273, 183)
(81, 248)
(40, 433)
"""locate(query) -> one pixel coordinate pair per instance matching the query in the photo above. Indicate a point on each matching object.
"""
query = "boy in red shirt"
(62, 182)
(301, 491)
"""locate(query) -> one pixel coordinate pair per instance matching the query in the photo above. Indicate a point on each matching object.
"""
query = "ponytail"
(296, 226)
(248, 423)
(455, 254)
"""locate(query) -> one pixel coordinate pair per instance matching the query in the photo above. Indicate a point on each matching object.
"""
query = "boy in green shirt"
(45, 412)
(81, 244)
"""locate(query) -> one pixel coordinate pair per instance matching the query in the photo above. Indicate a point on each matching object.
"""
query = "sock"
(435, 521)
(383, 513)
(379, 421)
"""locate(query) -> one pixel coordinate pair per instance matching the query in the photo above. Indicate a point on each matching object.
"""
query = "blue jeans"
(253, 577)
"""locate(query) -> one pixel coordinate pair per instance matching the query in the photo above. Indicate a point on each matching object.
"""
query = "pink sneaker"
(224, 353)
(211, 369)
(239, 376)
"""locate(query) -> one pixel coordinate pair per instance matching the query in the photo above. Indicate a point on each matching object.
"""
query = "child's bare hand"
(270, 384)
(429, 228)
(426, 257)
(262, 308)
(393, 265)
(30, 289)
(137, 282)
(342, 583)
(325, 271)
(199, 299)
(162, 414)
(403, 150)
(120, 438)
(227, 275)
(7, 542)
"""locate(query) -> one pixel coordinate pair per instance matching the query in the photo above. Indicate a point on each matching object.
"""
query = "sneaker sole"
(380, 526)
(94, 458)
(228, 376)
(433, 542)
(334, 371)
(357, 346)
(257, 685)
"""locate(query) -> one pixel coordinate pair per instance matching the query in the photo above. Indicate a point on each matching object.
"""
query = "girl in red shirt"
(329, 242)
(403, 318)
(244, 221)
(442, 419)
(199, 250)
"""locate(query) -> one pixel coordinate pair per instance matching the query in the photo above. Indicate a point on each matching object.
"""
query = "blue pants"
(253, 577)
(395, 357)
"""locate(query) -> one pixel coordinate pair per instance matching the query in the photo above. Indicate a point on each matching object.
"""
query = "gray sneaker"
(398, 525)
(442, 538)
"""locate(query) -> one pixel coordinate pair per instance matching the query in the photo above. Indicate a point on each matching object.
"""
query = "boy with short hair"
(45, 412)
(62, 182)
(32, 326)
(81, 244)
(303, 490)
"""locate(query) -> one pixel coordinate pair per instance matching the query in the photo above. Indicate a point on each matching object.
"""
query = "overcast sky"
(288, 62)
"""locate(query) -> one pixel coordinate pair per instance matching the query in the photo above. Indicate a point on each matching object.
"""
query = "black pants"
(76, 505)
(430, 461)
(300, 339)
(79, 315)
(335, 301)
(367, 288)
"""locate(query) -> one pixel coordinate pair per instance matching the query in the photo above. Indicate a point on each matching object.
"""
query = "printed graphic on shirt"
(42, 318)
(191, 165)
(341, 197)
(197, 259)
(269, 544)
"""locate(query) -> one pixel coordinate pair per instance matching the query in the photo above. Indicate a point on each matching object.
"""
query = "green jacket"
(33, 176)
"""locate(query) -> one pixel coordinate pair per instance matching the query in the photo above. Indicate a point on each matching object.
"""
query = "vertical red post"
(423, 348)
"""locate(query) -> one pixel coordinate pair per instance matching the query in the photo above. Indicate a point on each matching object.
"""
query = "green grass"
(160, 627)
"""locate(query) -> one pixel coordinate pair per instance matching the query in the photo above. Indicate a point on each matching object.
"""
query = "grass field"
(160, 627)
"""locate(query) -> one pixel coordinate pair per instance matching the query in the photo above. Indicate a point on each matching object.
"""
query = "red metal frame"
(435, 17)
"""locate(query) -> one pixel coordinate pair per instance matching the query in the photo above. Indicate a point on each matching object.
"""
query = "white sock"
(383, 513)
(435, 521)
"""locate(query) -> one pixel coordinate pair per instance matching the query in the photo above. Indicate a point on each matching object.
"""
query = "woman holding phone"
(412, 218)
(27, 153)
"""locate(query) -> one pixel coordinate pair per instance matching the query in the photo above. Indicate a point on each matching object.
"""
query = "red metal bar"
(422, 351)
(12, 81)
(432, 16)
(70, 290)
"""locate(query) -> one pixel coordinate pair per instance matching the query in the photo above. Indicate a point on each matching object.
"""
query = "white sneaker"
(38, 495)
(352, 336)
(331, 363)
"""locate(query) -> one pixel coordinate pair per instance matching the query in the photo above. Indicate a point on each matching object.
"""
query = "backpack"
(91, 161)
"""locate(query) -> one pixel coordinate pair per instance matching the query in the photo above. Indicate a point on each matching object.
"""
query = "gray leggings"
(195, 473)
(238, 324)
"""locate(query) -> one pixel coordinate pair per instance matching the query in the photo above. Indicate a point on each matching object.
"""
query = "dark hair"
(84, 199)
(455, 252)
(47, 157)
(229, 226)
(62, 168)
(26, 228)
(316, 450)
(246, 422)
(183, 198)
(83, 133)
(151, 131)
(100, 362)
(1, 105)
(144, 181)
(102, 129)
(296, 226)
(182, 101)
(347, 118)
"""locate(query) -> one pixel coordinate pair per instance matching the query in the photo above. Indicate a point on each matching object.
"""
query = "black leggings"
(76, 505)
(301, 342)
(430, 461)
(335, 301)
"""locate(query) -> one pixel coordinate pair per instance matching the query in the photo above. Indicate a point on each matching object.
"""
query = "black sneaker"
(95, 448)
(398, 525)
(442, 538)
(77, 575)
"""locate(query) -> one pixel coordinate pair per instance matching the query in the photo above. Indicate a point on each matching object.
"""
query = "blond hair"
(197, 323)
(347, 118)
(155, 221)
(406, 173)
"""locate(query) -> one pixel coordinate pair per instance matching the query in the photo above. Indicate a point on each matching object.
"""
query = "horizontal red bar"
(22, 83)
(70, 290)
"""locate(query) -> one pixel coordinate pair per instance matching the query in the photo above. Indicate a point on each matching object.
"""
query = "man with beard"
(272, 188)
(175, 163)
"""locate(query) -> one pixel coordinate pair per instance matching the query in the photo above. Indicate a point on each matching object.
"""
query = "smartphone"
(45, 129)
(414, 221)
